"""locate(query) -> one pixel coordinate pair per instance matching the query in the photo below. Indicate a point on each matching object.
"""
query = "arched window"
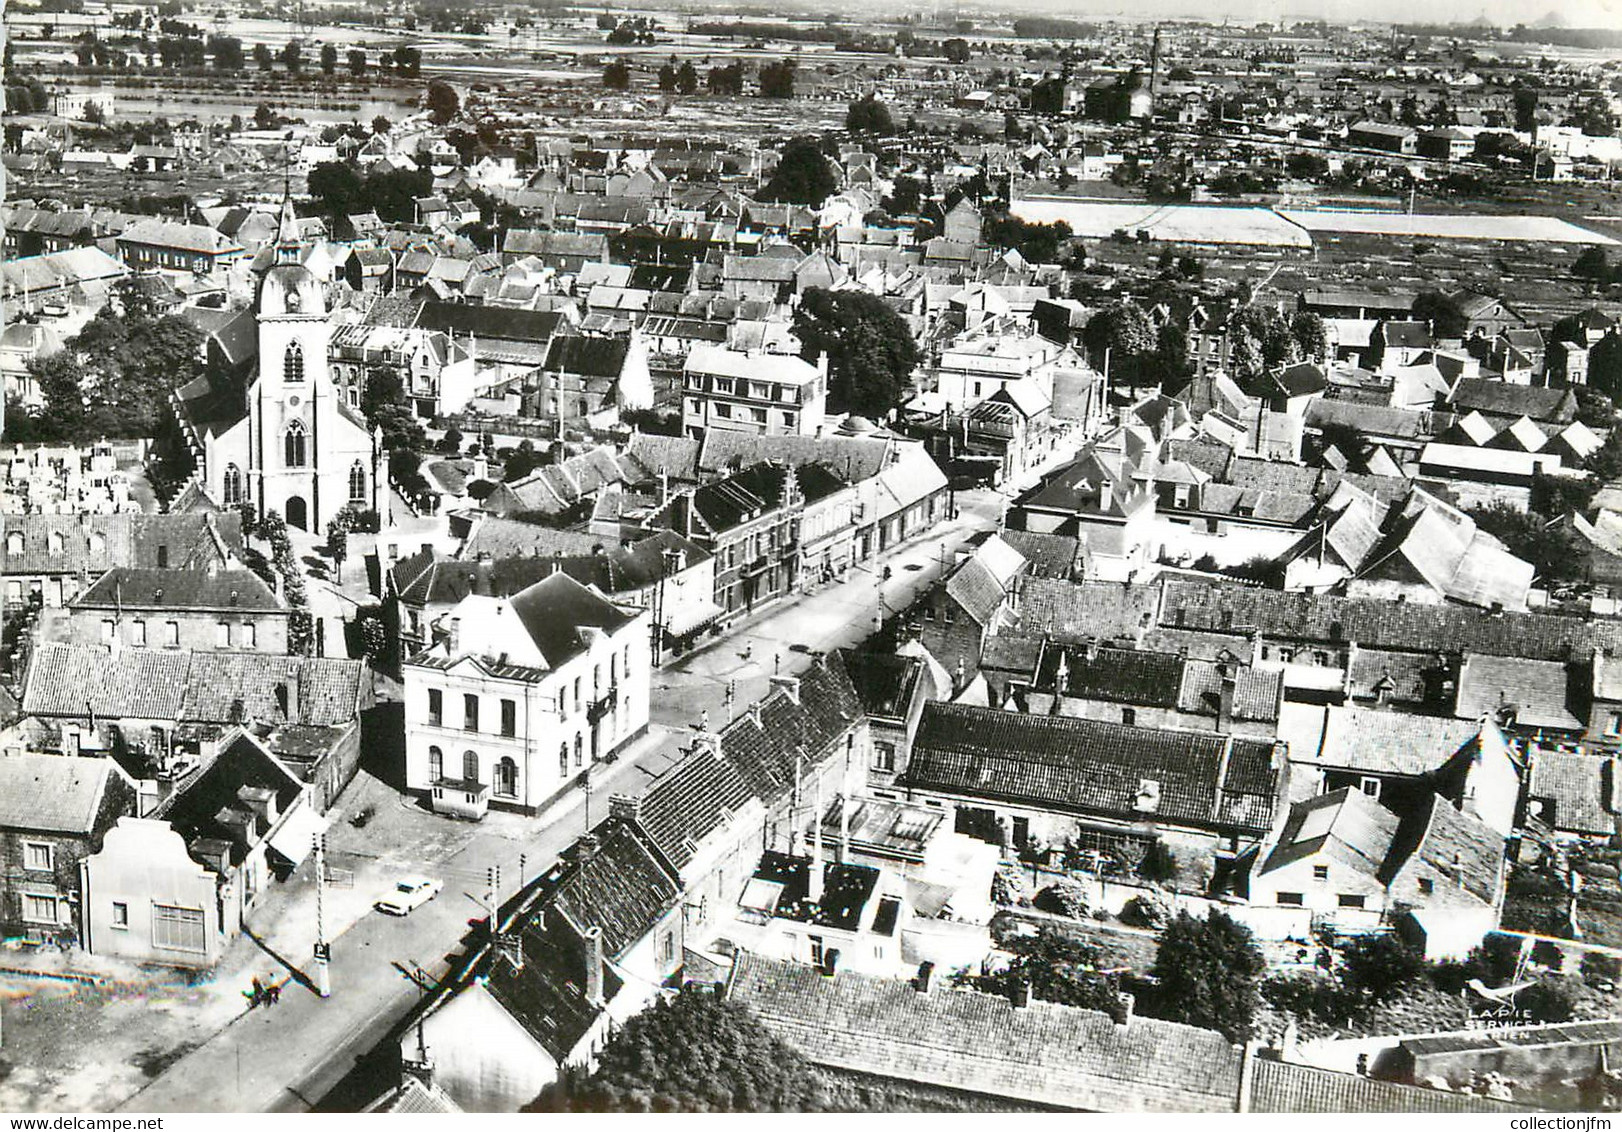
(579, 751)
(357, 483)
(54, 542)
(470, 766)
(507, 778)
(293, 364)
(297, 445)
(14, 542)
(563, 759)
(232, 485)
(436, 765)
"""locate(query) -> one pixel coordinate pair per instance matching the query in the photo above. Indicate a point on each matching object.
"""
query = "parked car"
(409, 893)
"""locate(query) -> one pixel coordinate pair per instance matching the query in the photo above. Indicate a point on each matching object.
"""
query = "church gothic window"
(293, 364)
(297, 449)
(232, 485)
(357, 483)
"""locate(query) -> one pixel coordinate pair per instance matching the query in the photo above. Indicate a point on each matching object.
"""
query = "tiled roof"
(1050, 556)
(1087, 766)
(1501, 399)
(1382, 742)
(1258, 693)
(1441, 841)
(1570, 791)
(756, 760)
(1278, 1086)
(1041, 1054)
(1243, 610)
(1345, 825)
(1119, 675)
(853, 457)
(885, 682)
(620, 887)
(203, 687)
(1539, 692)
(51, 794)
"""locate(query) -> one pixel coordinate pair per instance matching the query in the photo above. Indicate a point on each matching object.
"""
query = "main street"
(286, 1057)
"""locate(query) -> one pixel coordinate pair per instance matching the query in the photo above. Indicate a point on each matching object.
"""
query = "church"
(288, 441)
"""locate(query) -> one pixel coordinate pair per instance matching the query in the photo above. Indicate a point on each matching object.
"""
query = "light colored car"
(409, 893)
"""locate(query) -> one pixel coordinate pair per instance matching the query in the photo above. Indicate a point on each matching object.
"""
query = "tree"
(777, 79)
(803, 175)
(408, 60)
(356, 59)
(381, 125)
(94, 114)
(694, 1052)
(1047, 96)
(1207, 973)
(870, 349)
(329, 58)
(442, 102)
(1054, 967)
(956, 50)
(1605, 366)
(1547, 1002)
(338, 541)
(227, 52)
(263, 57)
(686, 78)
(1549, 546)
(293, 57)
(1526, 109)
(1311, 336)
(1592, 264)
(337, 186)
(869, 116)
(725, 80)
(617, 75)
(1037, 243)
(1123, 332)
(1444, 315)
(523, 460)
(385, 405)
(1596, 117)
(1381, 965)
(667, 76)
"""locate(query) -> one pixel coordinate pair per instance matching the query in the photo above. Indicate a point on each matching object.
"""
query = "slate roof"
(554, 610)
(980, 583)
(51, 794)
(1503, 400)
(1041, 1054)
(1130, 676)
(885, 682)
(92, 544)
(587, 355)
(620, 886)
(855, 458)
(195, 809)
(756, 760)
(238, 590)
(1050, 556)
(1086, 766)
(201, 687)
(1345, 826)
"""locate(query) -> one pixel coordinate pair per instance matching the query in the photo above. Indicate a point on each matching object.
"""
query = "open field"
(1541, 229)
(1173, 223)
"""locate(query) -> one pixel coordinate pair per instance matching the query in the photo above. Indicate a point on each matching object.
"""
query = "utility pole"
(323, 949)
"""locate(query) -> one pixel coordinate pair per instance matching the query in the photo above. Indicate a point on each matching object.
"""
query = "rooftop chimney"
(1128, 1004)
(1230, 685)
(594, 966)
(626, 807)
(814, 878)
(453, 637)
(925, 980)
(1022, 994)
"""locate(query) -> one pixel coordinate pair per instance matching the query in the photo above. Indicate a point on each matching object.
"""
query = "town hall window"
(232, 487)
(293, 364)
(297, 445)
(357, 483)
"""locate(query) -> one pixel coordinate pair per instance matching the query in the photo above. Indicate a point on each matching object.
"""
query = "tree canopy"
(694, 1052)
(869, 116)
(803, 175)
(1207, 973)
(391, 193)
(443, 102)
(115, 376)
(1055, 967)
(870, 348)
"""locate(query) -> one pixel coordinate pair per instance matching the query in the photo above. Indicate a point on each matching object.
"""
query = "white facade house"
(768, 394)
(518, 697)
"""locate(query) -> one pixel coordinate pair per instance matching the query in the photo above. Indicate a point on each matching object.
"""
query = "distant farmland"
(1265, 227)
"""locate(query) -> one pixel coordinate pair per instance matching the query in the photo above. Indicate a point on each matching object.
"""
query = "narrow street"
(286, 1057)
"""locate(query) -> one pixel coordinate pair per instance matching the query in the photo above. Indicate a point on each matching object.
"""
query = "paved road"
(286, 1057)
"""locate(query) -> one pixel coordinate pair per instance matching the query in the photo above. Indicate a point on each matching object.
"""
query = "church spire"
(287, 234)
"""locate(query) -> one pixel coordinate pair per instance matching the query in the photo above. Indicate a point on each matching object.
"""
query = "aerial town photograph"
(758, 556)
